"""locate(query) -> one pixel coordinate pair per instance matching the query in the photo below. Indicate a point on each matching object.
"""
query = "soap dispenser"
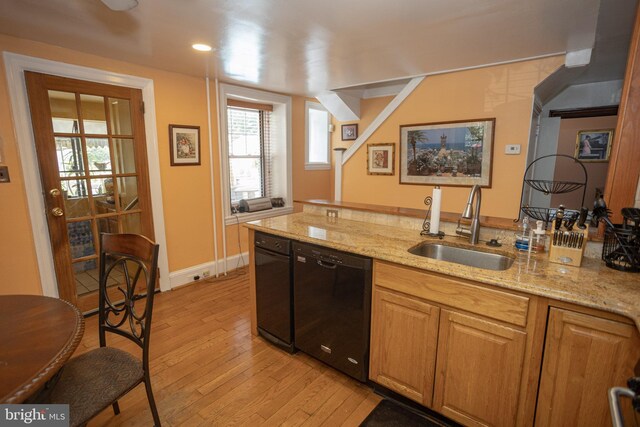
(538, 238)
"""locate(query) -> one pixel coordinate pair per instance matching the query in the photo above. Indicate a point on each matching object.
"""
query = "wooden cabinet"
(452, 345)
(479, 370)
(584, 356)
(404, 333)
(479, 355)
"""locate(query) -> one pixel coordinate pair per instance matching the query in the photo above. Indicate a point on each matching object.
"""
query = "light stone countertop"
(592, 285)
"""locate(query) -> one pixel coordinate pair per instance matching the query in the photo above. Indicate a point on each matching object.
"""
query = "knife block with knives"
(568, 243)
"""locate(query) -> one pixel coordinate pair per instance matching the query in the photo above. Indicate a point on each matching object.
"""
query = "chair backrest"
(128, 270)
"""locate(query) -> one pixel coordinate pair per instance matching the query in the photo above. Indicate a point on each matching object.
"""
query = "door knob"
(54, 192)
(57, 212)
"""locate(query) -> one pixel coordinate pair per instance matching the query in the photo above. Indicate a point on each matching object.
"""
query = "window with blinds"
(249, 136)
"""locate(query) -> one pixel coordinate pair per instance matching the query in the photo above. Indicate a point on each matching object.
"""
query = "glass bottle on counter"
(522, 235)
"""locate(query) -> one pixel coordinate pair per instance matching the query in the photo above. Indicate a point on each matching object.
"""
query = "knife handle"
(583, 218)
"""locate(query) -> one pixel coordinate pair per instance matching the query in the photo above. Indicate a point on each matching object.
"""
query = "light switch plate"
(512, 149)
(4, 174)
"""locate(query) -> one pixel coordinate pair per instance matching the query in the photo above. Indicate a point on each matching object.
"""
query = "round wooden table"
(37, 336)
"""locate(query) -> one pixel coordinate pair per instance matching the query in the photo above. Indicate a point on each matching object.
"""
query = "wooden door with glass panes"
(92, 157)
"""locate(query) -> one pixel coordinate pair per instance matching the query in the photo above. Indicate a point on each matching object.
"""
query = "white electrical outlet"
(512, 149)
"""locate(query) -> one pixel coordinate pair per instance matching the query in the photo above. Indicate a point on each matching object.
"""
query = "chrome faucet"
(474, 215)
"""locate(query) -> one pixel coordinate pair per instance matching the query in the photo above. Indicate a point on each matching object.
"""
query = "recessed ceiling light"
(201, 47)
(120, 5)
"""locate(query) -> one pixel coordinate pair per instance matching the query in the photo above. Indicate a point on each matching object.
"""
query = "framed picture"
(349, 132)
(185, 145)
(594, 145)
(449, 153)
(380, 159)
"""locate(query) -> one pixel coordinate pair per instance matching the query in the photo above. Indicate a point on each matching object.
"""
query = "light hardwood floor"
(207, 369)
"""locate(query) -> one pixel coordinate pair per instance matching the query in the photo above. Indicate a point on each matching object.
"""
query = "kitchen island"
(537, 341)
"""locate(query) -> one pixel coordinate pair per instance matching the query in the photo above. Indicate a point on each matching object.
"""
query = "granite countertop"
(592, 285)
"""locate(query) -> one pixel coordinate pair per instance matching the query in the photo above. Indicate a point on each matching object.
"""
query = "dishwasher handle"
(614, 404)
(328, 265)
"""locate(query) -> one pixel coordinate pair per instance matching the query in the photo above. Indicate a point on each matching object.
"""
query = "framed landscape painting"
(448, 153)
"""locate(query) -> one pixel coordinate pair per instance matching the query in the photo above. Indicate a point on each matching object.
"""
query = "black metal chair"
(91, 382)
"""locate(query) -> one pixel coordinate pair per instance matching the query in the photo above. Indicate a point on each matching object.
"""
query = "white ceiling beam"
(345, 107)
(577, 58)
(384, 114)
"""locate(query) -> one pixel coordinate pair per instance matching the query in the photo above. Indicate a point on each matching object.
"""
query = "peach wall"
(369, 110)
(307, 184)
(596, 171)
(180, 99)
(504, 92)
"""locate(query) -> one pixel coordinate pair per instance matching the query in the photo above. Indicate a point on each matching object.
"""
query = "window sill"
(317, 166)
(252, 216)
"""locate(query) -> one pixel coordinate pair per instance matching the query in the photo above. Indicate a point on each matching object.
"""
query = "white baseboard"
(186, 275)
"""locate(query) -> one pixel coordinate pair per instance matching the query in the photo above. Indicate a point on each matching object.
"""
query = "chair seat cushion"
(94, 380)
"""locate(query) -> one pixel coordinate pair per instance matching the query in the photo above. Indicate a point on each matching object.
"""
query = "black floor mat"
(391, 414)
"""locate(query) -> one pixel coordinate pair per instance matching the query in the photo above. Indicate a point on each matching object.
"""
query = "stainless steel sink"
(464, 256)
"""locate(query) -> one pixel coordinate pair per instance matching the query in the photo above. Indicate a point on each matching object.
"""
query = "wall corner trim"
(384, 114)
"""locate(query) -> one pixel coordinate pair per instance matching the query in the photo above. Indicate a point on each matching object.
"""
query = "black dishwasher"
(332, 300)
(273, 290)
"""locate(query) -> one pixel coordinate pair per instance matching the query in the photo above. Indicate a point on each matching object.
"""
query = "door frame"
(15, 65)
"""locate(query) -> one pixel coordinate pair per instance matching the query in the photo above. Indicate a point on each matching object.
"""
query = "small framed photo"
(185, 145)
(594, 145)
(381, 159)
(349, 132)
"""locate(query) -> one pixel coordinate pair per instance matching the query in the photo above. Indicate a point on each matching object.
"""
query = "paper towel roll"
(436, 202)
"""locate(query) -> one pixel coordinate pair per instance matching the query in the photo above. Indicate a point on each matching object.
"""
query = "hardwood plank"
(208, 369)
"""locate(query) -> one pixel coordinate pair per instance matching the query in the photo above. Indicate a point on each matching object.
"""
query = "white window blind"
(249, 132)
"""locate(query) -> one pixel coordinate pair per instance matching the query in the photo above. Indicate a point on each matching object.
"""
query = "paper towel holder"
(426, 224)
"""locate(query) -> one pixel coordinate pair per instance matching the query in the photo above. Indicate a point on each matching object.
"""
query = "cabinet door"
(584, 356)
(404, 332)
(478, 371)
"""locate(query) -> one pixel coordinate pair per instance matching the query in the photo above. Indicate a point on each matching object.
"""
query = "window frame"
(261, 156)
(281, 149)
(310, 105)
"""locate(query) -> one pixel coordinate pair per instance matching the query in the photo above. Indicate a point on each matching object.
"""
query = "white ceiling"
(309, 46)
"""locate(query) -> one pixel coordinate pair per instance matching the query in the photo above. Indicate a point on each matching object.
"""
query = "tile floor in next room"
(207, 369)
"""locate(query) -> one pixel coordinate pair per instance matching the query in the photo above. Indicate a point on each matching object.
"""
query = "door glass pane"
(69, 154)
(87, 276)
(94, 118)
(74, 193)
(128, 192)
(76, 207)
(120, 112)
(102, 188)
(131, 223)
(108, 224)
(80, 239)
(99, 156)
(64, 112)
(124, 155)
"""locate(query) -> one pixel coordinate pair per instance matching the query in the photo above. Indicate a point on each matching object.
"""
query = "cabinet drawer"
(453, 293)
